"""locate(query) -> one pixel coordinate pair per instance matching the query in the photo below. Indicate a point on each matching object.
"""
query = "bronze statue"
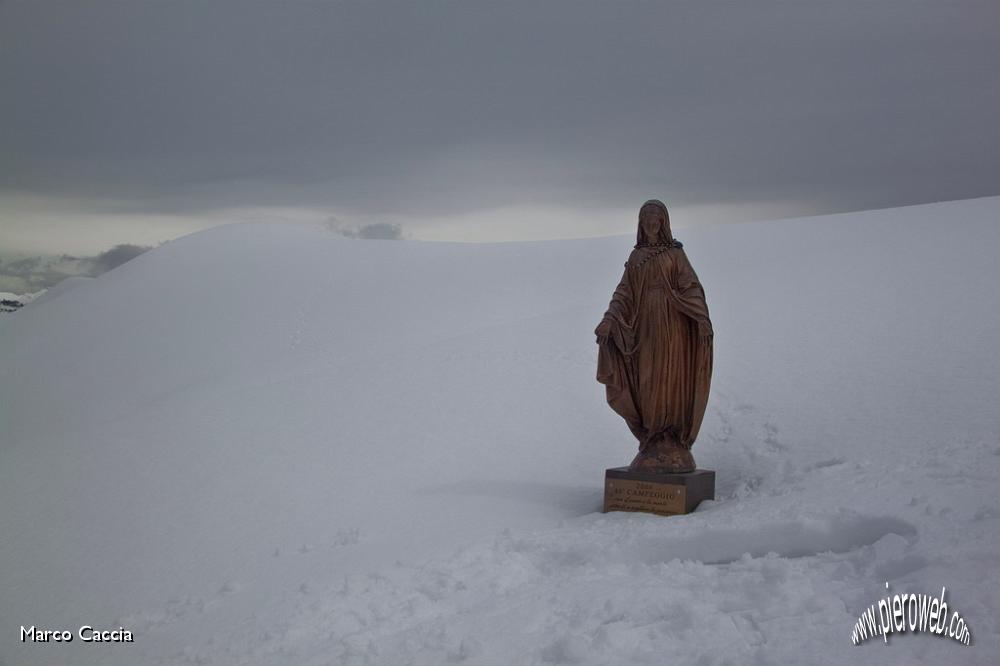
(655, 347)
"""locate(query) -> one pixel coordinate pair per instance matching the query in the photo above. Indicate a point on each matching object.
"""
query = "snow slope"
(268, 444)
(64, 286)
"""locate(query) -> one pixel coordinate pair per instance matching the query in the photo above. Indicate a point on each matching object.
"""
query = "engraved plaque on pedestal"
(662, 494)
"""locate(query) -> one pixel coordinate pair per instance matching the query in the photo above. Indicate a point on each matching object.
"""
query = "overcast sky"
(135, 121)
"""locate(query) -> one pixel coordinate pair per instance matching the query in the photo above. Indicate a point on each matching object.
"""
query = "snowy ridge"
(403, 463)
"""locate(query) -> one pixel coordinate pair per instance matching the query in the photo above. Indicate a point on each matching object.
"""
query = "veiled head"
(654, 224)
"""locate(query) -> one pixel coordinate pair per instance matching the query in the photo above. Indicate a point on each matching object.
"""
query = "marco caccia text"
(86, 634)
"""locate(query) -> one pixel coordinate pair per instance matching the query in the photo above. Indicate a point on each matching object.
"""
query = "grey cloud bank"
(415, 110)
(22, 275)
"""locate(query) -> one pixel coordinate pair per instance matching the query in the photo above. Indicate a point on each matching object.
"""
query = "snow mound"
(274, 445)
(63, 286)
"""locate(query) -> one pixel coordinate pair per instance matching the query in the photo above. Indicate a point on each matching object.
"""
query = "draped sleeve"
(686, 291)
(687, 295)
(613, 357)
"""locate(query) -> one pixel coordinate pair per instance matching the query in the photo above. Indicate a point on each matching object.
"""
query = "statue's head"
(654, 224)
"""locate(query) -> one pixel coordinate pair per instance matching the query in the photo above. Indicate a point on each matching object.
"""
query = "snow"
(64, 286)
(23, 299)
(269, 444)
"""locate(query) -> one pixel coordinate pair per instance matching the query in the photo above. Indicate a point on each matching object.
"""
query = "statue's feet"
(664, 458)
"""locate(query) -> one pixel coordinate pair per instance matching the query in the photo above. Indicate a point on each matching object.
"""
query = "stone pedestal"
(663, 494)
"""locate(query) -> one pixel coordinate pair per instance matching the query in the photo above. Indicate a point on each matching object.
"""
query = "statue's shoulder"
(637, 256)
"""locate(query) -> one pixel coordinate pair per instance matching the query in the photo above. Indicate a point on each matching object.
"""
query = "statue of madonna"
(655, 356)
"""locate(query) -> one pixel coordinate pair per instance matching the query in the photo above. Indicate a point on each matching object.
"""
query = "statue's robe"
(657, 364)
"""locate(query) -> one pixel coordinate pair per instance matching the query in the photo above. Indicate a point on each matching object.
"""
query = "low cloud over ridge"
(21, 275)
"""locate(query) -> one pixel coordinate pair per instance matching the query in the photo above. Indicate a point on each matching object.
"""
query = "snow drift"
(273, 445)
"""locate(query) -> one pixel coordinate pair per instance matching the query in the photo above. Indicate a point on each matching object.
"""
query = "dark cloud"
(22, 275)
(116, 256)
(437, 107)
(380, 231)
(375, 230)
